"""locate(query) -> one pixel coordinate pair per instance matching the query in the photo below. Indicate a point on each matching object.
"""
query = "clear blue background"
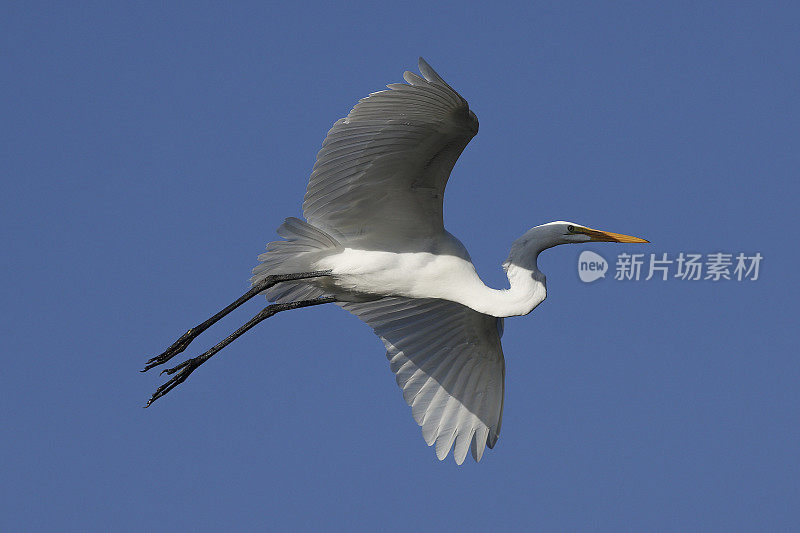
(149, 152)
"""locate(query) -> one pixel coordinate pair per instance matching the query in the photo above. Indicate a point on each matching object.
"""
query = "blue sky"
(150, 151)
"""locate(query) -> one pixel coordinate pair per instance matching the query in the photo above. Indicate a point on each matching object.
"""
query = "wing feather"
(448, 361)
(382, 170)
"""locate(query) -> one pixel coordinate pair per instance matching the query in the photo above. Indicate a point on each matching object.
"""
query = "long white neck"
(527, 283)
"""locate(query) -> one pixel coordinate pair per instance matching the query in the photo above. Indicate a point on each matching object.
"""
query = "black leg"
(180, 345)
(183, 370)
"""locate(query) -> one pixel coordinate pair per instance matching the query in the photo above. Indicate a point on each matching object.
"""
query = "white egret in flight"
(374, 243)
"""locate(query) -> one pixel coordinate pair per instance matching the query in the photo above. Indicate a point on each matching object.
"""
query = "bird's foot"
(182, 371)
(177, 347)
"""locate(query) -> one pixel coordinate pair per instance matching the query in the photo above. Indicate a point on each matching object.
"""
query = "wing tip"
(428, 72)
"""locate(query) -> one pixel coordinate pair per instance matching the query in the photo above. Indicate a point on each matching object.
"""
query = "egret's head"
(525, 249)
(563, 232)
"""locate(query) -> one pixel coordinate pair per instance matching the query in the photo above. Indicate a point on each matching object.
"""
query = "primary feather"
(449, 364)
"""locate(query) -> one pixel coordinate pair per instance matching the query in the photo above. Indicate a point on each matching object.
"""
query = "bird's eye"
(571, 228)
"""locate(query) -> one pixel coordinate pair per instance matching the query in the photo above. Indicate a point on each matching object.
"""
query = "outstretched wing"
(449, 363)
(382, 169)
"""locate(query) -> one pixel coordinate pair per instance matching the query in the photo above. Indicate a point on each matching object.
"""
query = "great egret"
(374, 243)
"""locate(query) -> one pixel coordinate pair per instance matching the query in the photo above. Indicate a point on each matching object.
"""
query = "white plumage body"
(411, 274)
(443, 271)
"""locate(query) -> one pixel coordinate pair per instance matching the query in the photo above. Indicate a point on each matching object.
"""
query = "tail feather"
(303, 245)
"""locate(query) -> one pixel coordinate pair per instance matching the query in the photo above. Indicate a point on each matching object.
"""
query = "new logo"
(591, 266)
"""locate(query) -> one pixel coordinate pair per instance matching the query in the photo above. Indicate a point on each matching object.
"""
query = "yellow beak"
(607, 236)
